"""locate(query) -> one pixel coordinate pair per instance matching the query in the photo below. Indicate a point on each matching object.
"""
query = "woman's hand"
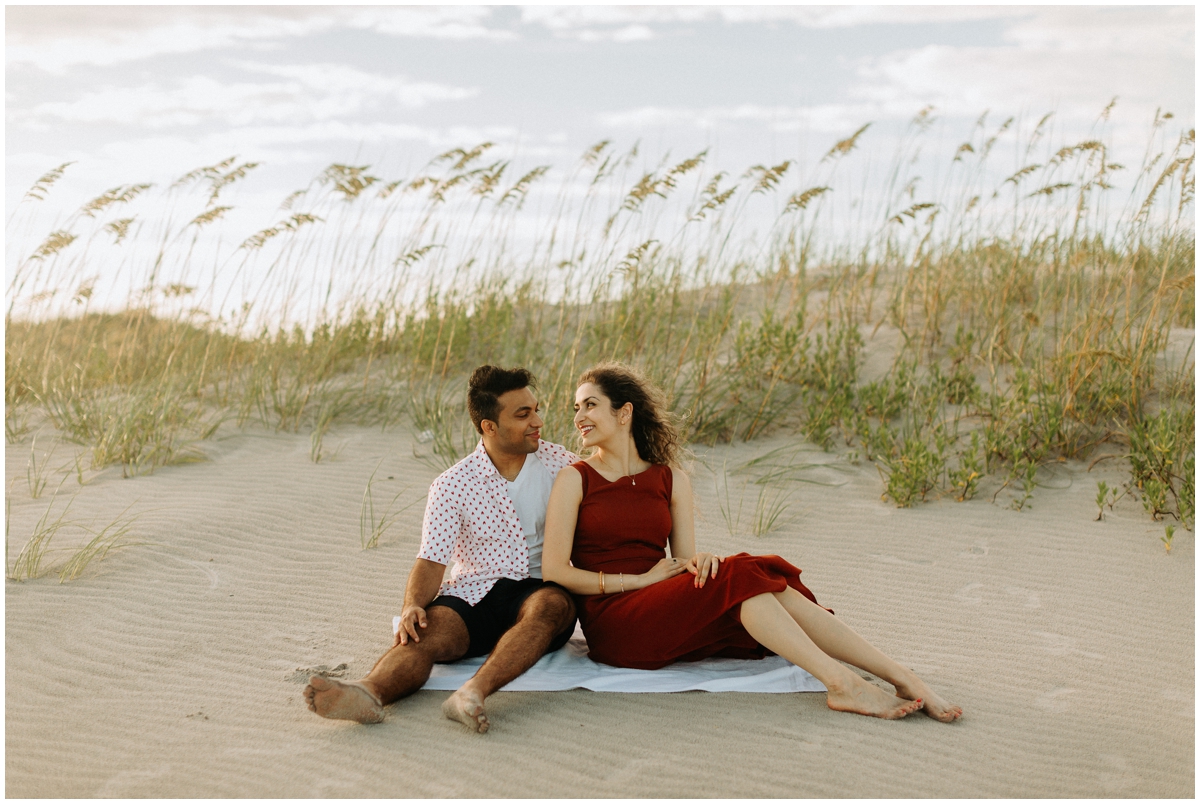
(703, 565)
(667, 568)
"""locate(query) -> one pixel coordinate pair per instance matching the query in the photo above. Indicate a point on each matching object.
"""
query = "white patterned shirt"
(470, 521)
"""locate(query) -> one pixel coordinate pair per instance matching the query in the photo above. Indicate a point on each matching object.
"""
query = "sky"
(146, 93)
(136, 91)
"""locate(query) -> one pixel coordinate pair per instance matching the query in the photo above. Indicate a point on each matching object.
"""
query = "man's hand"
(412, 618)
(423, 582)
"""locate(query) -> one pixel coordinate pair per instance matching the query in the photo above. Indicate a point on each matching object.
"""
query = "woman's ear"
(625, 415)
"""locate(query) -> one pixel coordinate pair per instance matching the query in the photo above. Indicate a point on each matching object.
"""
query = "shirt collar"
(482, 465)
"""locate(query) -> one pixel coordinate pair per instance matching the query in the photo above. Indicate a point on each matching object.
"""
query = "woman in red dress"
(608, 525)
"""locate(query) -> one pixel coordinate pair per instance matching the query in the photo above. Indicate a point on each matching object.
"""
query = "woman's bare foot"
(936, 706)
(863, 698)
(466, 707)
(342, 700)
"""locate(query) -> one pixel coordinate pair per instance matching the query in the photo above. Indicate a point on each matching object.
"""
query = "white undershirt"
(530, 494)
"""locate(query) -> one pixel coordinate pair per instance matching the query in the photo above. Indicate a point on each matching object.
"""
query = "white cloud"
(1068, 60)
(56, 38)
(435, 22)
(630, 33)
(1118, 31)
(848, 16)
(299, 94)
(834, 119)
(591, 23)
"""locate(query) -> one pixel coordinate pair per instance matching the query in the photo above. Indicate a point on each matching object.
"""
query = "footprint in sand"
(126, 783)
(209, 572)
(969, 594)
(980, 549)
(301, 675)
(1187, 699)
(1032, 599)
(1116, 776)
(640, 771)
(887, 559)
(1060, 645)
(1054, 700)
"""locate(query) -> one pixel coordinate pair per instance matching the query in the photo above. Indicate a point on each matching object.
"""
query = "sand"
(175, 667)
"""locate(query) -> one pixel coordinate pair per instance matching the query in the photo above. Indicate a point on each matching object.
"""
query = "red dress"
(624, 527)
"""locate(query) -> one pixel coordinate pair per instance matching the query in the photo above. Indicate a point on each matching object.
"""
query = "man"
(486, 514)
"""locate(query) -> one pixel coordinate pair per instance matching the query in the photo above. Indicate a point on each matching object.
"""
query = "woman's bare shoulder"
(680, 479)
(569, 480)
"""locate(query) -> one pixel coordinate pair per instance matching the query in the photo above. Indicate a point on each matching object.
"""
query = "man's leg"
(544, 615)
(398, 673)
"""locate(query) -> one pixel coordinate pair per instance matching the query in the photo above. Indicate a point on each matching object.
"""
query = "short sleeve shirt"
(472, 524)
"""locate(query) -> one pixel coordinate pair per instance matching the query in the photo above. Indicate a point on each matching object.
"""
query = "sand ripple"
(175, 668)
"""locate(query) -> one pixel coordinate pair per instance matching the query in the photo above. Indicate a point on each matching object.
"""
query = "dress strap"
(579, 466)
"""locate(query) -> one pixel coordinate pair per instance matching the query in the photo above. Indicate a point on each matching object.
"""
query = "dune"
(174, 668)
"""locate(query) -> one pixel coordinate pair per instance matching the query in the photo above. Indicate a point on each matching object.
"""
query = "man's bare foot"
(466, 707)
(342, 700)
(936, 706)
(863, 698)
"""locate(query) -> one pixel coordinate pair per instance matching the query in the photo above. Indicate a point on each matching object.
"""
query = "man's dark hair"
(485, 387)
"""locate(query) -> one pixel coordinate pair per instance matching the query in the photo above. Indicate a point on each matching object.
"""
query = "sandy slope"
(175, 667)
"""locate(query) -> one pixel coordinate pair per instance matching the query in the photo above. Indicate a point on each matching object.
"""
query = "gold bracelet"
(622, 583)
(601, 583)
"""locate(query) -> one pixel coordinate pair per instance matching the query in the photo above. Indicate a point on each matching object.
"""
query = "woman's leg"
(765, 618)
(841, 642)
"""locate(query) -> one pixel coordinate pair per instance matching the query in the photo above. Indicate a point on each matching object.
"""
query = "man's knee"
(551, 605)
(446, 638)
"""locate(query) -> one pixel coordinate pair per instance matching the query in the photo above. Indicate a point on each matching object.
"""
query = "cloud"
(629, 33)
(298, 93)
(57, 38)
(849, 16)
(592, 23)
(1068, 60)
(823, 118)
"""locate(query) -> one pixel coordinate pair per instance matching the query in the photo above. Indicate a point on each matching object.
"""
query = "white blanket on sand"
(570, 668)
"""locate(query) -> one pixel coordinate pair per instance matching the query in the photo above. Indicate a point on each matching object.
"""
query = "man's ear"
(488, 427)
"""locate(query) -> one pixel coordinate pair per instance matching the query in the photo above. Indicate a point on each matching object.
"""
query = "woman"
(608, 524)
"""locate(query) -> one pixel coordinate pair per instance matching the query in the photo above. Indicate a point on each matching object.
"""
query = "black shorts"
(488, 619)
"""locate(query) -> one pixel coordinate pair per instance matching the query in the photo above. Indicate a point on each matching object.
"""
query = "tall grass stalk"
(1033, 307)
(370, 527)
(112, 536)
(28, 563)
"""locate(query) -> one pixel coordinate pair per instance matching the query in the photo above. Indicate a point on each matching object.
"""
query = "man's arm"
(423, 583)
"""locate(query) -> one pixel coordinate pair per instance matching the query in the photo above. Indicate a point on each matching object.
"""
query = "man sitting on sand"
(487, 514)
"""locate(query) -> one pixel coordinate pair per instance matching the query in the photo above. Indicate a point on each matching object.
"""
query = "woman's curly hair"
(656, 436)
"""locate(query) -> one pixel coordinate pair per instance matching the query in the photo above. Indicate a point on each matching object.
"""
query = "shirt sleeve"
(443, 523)
(556, 458)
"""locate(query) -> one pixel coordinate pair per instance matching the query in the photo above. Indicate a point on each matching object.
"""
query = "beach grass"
(1036, 317)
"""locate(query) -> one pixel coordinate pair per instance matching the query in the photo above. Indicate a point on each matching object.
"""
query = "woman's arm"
(683, 527)
(683, 530)
(561, 516)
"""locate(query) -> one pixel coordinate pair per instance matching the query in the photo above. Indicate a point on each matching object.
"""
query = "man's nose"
(537, 422)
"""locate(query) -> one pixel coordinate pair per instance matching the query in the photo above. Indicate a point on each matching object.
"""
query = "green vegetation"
(370, 527)
(32, 561)
(1028, 322)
